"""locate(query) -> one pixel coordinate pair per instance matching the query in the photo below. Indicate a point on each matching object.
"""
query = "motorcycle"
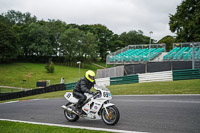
(96, 107)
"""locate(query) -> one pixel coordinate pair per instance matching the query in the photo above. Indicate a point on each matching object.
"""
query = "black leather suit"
(83, 86)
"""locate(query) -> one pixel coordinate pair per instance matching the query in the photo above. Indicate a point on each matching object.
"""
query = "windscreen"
(103, 87)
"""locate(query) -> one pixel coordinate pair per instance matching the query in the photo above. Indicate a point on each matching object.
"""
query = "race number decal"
(105, 94)
(68, 95)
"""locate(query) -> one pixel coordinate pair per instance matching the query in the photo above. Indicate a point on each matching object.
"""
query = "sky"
(117, 15)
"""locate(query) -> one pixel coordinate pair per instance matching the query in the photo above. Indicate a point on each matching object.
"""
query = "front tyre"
(113, 116)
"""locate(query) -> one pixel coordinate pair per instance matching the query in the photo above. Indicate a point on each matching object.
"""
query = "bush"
(50, 66)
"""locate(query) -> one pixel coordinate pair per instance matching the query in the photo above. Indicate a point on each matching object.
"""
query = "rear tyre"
(70, 116)
(113, 116)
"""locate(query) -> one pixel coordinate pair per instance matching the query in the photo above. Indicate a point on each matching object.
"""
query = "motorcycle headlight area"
(106, 94)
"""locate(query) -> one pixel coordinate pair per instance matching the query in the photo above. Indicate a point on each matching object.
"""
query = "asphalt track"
(150, 113)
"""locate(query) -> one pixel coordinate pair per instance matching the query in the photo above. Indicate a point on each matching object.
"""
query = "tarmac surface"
(145, 113)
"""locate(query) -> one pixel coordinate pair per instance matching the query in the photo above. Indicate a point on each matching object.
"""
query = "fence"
(142, 68)
(110, 72)
(157, 67)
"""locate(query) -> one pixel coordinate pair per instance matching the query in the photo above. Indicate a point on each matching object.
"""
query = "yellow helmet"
(90, 75)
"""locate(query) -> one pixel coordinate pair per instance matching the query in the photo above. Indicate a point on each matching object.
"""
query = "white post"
(79, 62)
(193, 55)
(150, 44)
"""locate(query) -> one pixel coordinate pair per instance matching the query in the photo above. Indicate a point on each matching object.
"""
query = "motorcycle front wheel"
(112, 117)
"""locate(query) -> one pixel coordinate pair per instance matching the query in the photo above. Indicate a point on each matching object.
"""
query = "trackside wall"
(156, 76)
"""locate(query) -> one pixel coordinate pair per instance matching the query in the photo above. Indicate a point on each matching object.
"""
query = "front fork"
(107, 111)
(107, 105)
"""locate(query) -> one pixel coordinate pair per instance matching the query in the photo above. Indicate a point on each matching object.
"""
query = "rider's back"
(83, 85)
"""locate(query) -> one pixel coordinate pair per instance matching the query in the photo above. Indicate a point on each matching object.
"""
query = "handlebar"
(96, 94)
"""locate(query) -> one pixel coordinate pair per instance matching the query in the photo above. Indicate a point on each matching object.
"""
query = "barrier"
(186, 74)
(7, 96)
(103, 81)
(70, 86)
(156, 76)
(124, 80)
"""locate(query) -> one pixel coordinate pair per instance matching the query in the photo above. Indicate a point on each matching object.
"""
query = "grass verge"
(17, 127)
(170, 87)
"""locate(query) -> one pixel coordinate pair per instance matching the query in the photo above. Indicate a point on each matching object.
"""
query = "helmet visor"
(91, 77)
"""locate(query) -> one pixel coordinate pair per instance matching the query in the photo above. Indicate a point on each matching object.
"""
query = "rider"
(83, 86)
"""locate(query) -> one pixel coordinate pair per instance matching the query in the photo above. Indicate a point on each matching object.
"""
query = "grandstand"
(183, 52)
(134, 54)
(145, 58)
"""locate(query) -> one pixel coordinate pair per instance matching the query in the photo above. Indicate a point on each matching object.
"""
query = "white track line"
(154, 95)
(70, 126)
(160, 101)
(9, 102)
(21, 101)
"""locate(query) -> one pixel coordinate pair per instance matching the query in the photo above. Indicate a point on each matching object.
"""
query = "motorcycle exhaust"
(68, 109)
(64, 107)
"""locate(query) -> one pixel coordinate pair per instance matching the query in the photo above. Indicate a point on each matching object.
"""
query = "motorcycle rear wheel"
(113, 116)
(70, 116)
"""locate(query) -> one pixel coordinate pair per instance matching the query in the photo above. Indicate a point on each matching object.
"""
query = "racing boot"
(78, 109)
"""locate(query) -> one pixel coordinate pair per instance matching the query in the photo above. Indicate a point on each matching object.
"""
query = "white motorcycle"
(96, 107)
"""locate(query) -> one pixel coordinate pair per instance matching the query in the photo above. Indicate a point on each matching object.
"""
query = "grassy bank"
(14, 74)
(16, 127)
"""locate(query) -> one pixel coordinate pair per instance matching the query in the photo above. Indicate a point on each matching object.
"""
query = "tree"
(39, 39)
(78, 45)
(89, 47)
(70, 41)
(104, 36)
(168, 40)
(19, 18)
(20, 22)
(8, 43)
(115, 43)
(186, 21)
(5, 20)
(106, 40)
(134, 37)
(56, 28)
